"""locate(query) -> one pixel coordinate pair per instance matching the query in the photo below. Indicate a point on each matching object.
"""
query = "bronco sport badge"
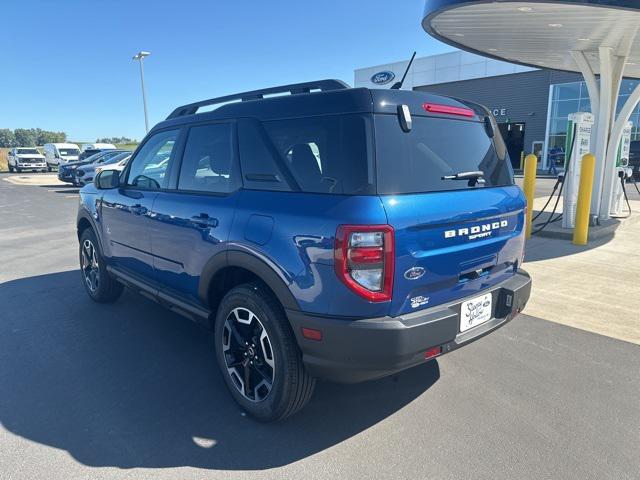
(478, 231)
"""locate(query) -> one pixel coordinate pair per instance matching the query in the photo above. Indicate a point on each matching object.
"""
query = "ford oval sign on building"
(382, 78)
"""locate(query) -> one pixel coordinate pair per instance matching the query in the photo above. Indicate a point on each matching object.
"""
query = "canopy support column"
(609, 165)
(603, 124)
(612, 152)
(590, 79)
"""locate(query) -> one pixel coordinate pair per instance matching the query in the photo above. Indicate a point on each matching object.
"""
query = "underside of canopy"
(538, 34)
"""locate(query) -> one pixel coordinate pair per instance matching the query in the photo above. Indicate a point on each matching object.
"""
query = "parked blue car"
(336, 233)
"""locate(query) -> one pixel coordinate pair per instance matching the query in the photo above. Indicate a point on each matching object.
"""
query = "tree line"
(116, 140)
(29, 137)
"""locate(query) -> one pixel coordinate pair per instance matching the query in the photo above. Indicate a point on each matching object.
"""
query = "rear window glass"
(327, 154)
(416, 161)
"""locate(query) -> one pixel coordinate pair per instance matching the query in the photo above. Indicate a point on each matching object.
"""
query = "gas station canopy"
(539, 33)
(598, 38)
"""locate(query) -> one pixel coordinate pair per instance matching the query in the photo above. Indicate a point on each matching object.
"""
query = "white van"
(58, 154)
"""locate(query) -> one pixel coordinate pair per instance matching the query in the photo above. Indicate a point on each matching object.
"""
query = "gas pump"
(622, 171)
(578, 144)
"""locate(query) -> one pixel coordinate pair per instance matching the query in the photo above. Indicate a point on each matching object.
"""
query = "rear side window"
(207, 163)
(326, 154)
(416, 161)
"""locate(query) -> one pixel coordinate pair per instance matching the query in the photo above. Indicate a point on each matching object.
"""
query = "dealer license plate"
(474, 312)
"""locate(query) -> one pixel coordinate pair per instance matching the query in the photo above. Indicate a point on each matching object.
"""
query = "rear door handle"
(138, 209)
(204, 220)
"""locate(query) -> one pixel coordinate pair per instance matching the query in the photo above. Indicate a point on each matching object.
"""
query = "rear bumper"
(357, 350)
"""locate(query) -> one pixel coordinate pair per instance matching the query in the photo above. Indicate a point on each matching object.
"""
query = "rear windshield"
(416, 161)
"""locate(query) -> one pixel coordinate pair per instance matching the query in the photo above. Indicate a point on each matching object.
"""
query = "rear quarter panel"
(296, 231)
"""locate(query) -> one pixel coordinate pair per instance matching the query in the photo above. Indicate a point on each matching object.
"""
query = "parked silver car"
(86, 173)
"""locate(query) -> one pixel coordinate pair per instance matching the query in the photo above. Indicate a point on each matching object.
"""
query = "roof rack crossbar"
(295, 88)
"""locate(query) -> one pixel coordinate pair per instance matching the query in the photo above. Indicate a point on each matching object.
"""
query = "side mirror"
(107, 179)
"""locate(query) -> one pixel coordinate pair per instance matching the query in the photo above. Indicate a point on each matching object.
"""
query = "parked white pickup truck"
(24, 158)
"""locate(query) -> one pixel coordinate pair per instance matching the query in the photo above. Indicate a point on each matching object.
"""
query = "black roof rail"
(294, 88)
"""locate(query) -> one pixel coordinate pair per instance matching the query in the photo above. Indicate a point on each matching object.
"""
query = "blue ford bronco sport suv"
(321, 231)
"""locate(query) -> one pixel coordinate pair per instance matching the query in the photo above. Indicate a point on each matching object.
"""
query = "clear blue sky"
(66, 65)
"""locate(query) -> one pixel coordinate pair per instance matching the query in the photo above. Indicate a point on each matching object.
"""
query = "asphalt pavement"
(130, 390)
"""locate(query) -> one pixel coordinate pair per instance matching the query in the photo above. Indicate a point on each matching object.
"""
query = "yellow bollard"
(530, 168)
(581, 231)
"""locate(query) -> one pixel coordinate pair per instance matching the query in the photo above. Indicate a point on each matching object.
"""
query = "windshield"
(117, 158)
(92, 156)
(69, 152)
(104, 156)
(416, 161)
(27, 151)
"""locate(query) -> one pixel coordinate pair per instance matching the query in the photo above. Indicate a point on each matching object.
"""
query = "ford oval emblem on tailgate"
(414, 273)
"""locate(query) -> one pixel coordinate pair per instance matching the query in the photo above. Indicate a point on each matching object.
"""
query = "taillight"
(364, 260)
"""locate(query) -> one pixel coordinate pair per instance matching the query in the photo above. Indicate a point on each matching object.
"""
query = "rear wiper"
(473, 177)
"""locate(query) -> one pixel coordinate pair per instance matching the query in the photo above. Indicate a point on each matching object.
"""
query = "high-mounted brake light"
(364, 260)
(448, 109)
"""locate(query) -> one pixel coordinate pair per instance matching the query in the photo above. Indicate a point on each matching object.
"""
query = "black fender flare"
(84, 214)
(253, 262)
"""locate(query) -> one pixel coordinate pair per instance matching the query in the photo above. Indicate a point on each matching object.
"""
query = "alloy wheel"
(90, 266)
(248, 354)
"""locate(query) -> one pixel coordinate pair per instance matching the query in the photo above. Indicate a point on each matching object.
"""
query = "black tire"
(291, 386)
(49, 169)
(18, 169)
(99, 285)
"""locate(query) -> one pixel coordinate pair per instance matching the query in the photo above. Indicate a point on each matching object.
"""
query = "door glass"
(149, 167)
(207, 163)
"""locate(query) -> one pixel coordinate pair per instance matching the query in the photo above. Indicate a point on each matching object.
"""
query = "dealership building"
(531, 105)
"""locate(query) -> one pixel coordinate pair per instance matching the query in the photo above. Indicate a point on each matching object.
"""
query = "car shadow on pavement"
(64, 187)
(69, 191)
(131, 384)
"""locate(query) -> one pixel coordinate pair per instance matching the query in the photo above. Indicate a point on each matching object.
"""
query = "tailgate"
(453, 244)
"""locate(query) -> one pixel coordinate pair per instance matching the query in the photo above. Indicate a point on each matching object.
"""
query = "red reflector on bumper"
(312, 334)
(432, 352)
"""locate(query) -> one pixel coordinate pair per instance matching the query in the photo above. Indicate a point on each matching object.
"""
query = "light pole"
(140, 56)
